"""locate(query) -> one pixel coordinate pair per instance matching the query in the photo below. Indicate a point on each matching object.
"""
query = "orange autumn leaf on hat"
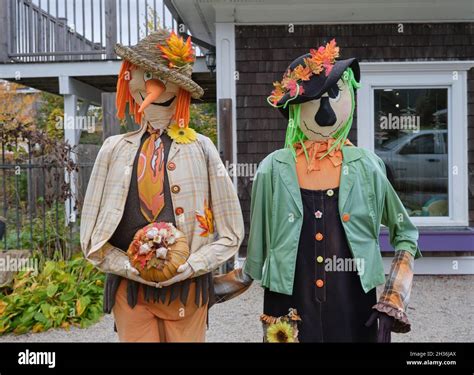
(323, 57)
(303, 73)
(177, 51)
(206, 221)
(278, 92)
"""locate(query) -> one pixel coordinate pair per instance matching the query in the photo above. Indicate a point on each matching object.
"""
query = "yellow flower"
(182, 135)
(280, 332)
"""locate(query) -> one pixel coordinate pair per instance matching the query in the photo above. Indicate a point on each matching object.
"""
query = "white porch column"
(74, 121)
(226, 81)
(72, 135)
(226, 69)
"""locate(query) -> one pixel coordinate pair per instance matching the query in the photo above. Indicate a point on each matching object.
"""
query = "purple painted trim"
(455, 239)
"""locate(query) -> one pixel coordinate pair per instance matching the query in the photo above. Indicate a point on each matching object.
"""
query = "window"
(406, 115)
(409, 125)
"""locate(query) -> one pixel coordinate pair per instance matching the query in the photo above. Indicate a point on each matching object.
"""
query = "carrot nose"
(154, 88)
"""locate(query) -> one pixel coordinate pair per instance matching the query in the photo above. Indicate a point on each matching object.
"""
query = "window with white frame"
(413, 116)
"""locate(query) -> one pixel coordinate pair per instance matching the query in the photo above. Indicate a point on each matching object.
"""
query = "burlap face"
(316, 118)
(160, 112)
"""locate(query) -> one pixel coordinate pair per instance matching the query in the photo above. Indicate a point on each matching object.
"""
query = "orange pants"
(159, 322)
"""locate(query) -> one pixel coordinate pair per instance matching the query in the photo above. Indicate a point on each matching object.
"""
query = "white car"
(417, 161)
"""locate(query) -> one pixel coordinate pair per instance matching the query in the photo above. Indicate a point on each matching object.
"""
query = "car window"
(390, 144)
(423, 144)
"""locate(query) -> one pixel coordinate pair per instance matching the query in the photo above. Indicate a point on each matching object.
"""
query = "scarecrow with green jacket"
(317, 205)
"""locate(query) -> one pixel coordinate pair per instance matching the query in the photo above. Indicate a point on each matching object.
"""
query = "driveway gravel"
(440, 311)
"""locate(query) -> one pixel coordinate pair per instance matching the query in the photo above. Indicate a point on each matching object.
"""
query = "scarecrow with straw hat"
(316, 210)
(162, 181)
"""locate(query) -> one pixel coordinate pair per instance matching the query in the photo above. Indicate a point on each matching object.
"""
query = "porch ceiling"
(99, 74)
(201, 15)
(108, 84)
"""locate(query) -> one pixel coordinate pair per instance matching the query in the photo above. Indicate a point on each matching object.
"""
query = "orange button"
(175, 189)
(319, 236)
(179, 211)
(319, 283)
(171, 166)
(346, 217)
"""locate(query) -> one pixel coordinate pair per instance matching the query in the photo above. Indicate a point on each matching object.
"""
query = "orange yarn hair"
(181, 115)
(123, 93)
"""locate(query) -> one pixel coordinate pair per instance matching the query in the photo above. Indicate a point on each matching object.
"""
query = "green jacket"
(277, 215)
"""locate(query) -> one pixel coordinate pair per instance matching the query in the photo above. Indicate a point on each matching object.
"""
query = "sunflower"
(182, 135)
(280, 332)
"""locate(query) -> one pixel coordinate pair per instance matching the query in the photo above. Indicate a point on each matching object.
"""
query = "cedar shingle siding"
(264, 52)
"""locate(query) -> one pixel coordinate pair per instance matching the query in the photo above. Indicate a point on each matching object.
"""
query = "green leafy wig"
(295, 135)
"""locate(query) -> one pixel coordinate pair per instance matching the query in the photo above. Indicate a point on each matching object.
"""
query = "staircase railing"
(74, 30)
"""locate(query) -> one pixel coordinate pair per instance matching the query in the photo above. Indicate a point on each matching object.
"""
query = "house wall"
(264, 52)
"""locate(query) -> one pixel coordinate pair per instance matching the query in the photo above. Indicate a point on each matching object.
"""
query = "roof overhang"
(201, 15)
(99, 75)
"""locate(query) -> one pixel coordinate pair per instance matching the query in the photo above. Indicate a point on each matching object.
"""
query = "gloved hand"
(231, 284)
(133, 274)
(129, 269)
(185, 271)
(385, 324)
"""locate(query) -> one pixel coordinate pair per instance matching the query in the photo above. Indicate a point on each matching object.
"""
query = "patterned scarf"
(151, 175)
(317, 149)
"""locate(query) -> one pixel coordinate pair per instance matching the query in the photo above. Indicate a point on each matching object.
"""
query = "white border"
(425, 74)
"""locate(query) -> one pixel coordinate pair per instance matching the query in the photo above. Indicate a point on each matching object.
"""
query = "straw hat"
(148, 55)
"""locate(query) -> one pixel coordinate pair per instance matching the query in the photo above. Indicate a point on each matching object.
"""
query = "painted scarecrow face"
(322, 118)
(157, 98)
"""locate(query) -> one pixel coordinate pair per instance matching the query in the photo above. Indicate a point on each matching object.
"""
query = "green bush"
(204, 120)
(62, 294)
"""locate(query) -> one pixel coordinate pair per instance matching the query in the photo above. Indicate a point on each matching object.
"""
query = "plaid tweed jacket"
(205, 203)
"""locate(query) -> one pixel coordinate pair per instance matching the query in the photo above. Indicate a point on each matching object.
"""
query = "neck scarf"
(317, 149)
(151, 175)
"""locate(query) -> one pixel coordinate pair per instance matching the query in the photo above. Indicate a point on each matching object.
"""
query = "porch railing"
(74, 30)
